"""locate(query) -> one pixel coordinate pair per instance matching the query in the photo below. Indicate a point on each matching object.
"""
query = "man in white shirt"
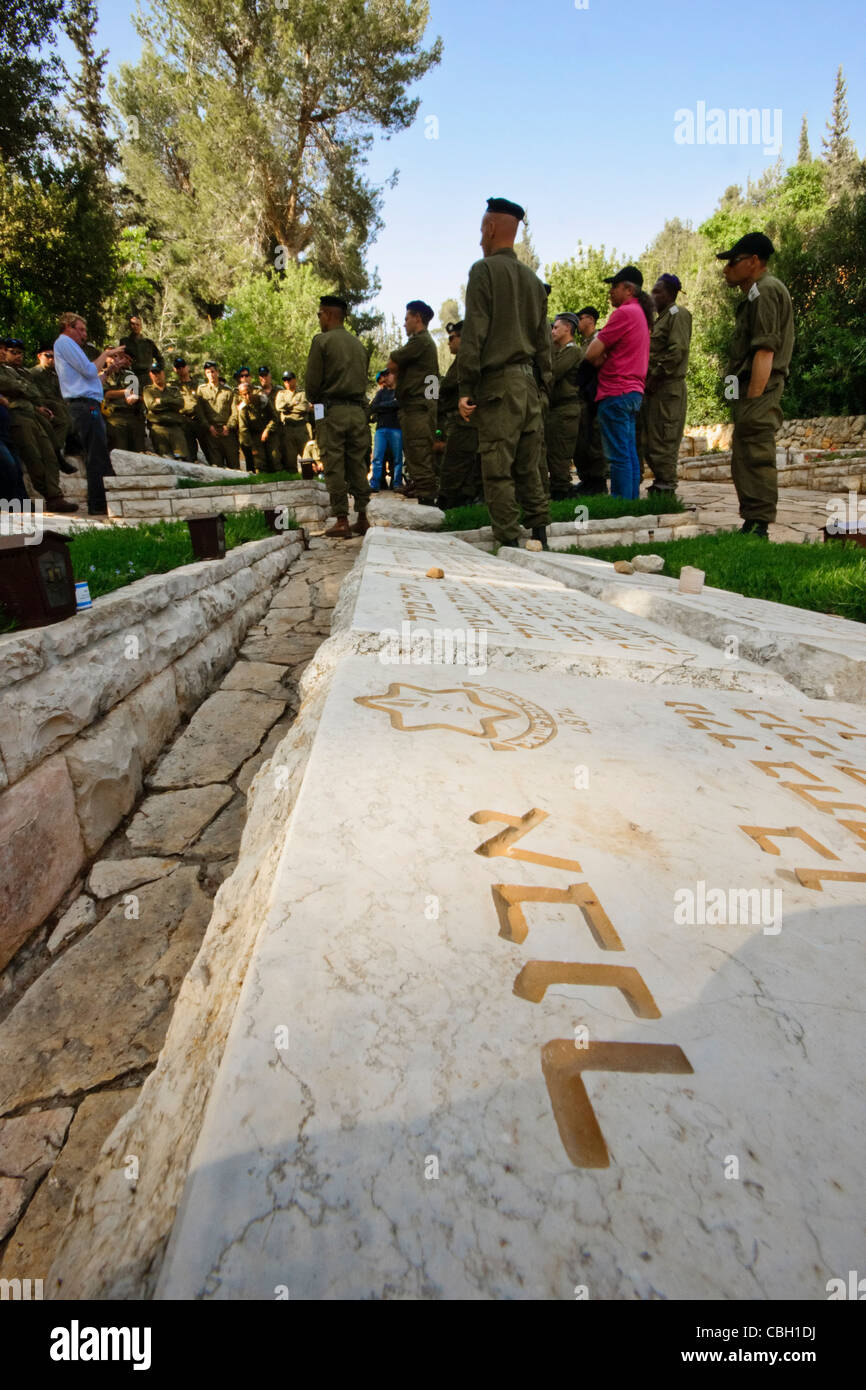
(81, 388)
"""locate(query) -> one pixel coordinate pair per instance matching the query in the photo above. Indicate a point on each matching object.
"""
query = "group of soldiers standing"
(521, 403)
(269, 426)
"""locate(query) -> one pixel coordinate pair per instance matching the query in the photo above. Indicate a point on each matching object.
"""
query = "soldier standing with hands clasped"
(416, 366)
(761, 350)
(336, 380)
(506, 340)
(662, 419)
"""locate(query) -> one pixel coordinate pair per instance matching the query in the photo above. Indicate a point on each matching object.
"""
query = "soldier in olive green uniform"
(336, 378)
(193, 428)
(122, 409)
(504, 352)
(417, 367)
(663, 414)
(460, 478)
(255, 422)
(293, 408)
(142, 353)
(563, 419)
(216, 413)
(48, 385)
(761, 351)
(29, 426)
(164, 407)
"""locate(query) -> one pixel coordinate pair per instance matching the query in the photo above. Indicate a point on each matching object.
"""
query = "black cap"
(629, 275)
(752, 244)
(333, 301)
(673, 282)
(569, 318)
(289, 376)
(180, 362)
(44, 347)
(454, 327)
(505, 205)
(593, 313)
(418, 306)
(212, 364)
(264, 371)
(13, 343)
(154, 368)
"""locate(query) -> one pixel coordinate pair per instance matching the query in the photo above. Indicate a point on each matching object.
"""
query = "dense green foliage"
(829, 578)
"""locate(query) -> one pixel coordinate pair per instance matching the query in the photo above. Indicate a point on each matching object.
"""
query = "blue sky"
(571, 112)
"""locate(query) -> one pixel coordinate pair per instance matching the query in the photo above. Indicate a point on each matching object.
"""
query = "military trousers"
(593, 469)
(511, 444)
(343, 438)
(58, 428)
(563, 424)
(194, 436)
(273, 447)
(296, 437)
(460, 479)
(753, 455)
(661, 423)
(169, 441)
(222, 451)
(35, 449)
(123, 432)
(418, 424)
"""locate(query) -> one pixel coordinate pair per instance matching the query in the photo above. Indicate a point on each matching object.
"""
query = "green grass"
(600, 508)
(255, 480)
(109, 559)
(829, 578)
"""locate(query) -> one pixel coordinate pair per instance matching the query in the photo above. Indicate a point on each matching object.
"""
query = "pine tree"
(29, 84)
(804, 154)
(524, 249)
(839, 154)
(86, 88)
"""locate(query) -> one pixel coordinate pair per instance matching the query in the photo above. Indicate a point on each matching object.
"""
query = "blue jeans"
(382, 440)
(617, 416)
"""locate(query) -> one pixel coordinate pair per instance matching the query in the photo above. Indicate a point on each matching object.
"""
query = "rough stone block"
(28, 1147)
(222, 734)
(105, 767)
(38, 825)
(154, 711)
(169, 823)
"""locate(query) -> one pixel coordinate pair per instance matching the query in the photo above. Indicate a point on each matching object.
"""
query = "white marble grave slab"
(525, 619)
(381, 1125)
(822, 654)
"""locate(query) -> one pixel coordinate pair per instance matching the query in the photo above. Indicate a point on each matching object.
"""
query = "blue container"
(82, 597)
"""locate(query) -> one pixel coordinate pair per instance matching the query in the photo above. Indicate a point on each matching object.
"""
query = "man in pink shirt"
(621, 353)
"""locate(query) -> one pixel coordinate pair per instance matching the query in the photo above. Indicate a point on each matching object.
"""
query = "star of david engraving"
(412, 709)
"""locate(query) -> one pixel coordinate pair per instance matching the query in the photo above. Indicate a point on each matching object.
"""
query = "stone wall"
(619, 530)
(157, 497)
(825, 432)
(87, 705)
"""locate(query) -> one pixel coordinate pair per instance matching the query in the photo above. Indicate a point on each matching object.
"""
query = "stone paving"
(801, 514)
(85, 1007)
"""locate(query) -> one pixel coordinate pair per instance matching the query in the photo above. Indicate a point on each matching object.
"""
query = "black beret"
(44, 347)
(569, 318)
(212, 364)
(154, 368)
(264, 371)
(417, 306)
(333, 301)
(180, 362)
(289, 376)
(629, 275)
(593, 313)
(13, 343)
(505, 205)
(454, 327)
(752, 244)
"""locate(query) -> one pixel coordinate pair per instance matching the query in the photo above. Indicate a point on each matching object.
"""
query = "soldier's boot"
(361, 526)
(539, 533)
(512, 545)
(63, 465)
(340, 531)
(755, 528)
(60, 504)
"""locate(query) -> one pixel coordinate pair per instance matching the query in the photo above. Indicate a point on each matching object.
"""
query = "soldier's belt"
(525, 367)
(343, 400)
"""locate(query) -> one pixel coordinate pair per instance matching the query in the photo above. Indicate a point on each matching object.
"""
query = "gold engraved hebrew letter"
(563, 1065)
